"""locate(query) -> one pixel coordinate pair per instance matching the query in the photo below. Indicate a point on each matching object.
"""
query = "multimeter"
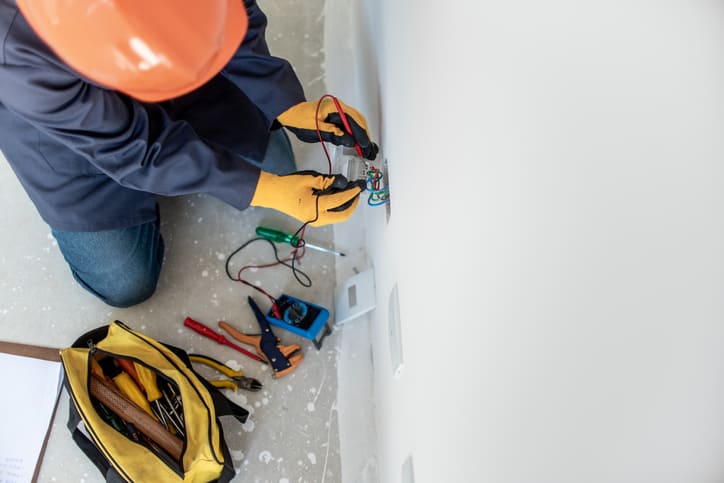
(302, 318)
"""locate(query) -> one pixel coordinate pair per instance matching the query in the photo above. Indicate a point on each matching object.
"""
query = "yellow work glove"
(301, 119)
(308, 196)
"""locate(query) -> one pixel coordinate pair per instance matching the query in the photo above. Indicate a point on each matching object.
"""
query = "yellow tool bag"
(141, 413)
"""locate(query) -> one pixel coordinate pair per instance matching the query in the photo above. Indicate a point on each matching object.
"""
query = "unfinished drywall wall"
(555, 238)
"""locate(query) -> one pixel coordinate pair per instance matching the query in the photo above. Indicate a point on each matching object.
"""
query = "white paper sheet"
(30, 389)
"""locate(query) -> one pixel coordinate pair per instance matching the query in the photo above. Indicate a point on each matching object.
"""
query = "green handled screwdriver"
(281, 237)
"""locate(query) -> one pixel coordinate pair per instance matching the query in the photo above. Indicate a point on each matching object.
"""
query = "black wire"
(305, 281)
(301, 242)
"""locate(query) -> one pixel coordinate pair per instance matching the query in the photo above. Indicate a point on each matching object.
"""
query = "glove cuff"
(291, 116)
(266, 190)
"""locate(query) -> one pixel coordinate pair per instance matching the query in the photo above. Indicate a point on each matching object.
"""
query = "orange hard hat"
(152, 50)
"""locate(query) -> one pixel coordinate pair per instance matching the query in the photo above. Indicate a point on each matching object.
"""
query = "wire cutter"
(282, 358)
(236, 379)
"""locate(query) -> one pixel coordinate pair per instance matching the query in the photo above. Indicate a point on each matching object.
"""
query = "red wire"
(293, 254)
(347, 127)
(319, 132)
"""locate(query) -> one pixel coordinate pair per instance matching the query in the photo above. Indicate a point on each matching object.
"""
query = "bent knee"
(121, 290)
(130, 294)
(120, 267)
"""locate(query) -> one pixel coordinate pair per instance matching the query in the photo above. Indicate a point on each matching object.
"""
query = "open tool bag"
(172, 434)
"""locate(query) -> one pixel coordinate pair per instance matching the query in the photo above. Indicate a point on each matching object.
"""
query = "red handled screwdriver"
(220, 339)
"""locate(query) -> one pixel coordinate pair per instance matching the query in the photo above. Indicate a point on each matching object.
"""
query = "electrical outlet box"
(356, 169)
(346, 161)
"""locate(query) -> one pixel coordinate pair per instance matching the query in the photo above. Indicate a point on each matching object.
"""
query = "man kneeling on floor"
(105, 105)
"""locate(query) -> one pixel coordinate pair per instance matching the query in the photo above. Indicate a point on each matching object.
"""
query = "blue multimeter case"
(302, 318)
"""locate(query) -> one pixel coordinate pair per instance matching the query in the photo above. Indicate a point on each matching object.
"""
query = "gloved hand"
(308, 196)
(301, 120)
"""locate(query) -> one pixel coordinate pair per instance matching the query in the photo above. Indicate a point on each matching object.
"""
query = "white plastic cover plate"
(355, 297)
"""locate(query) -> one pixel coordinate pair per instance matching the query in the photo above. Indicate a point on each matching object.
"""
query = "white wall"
(557, 234)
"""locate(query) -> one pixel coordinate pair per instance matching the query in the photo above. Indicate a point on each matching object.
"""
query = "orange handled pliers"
(282, 358)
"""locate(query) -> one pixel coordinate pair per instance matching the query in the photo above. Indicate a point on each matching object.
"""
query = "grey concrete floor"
(292, 434)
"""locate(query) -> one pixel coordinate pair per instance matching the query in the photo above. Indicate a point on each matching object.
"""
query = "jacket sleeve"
(268, 81)
(134, 143)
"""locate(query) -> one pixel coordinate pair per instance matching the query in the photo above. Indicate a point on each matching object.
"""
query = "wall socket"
(346, 161)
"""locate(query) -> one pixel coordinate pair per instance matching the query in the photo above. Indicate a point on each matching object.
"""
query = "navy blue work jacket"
(95, 159)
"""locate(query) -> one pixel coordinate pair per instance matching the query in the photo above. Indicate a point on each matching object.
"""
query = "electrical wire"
(300, 276)
(319, 131)
(378, 196)
(294, 255)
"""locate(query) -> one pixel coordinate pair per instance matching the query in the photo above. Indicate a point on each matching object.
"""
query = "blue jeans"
(121, 267)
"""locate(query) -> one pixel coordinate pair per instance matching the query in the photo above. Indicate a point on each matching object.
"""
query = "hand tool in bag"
(163, 407)
(236, 378)
(172, 415)
(282, 358)
(97, 370)
(126, 409)
(146, 378)
(219, 338)
(111, 418)
(130, 369)
(124, 382)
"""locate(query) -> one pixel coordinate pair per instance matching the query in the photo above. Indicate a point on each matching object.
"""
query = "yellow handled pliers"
(236, 378)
